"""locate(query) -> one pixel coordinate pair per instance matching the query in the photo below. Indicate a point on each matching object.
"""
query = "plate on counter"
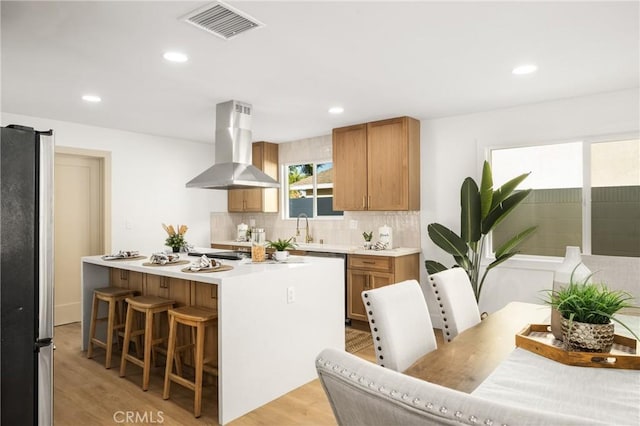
(118, 256)
(169, 263)
(219, 268)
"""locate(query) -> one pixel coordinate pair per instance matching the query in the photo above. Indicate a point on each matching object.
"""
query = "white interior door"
(79, 215)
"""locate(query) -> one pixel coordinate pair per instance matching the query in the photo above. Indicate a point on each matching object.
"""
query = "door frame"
(104, 158)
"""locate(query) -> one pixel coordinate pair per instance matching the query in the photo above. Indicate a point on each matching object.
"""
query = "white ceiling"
(376, 59)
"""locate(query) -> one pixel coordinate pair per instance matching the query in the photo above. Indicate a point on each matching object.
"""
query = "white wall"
(148, 181)
(453, 148)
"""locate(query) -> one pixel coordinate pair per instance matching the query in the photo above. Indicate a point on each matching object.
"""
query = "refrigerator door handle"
(45, 227)
(41, 343)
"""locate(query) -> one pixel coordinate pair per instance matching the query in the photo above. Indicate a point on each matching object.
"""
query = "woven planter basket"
(585, 337)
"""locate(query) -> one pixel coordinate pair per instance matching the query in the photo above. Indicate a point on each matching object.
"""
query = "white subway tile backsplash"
(405, 225)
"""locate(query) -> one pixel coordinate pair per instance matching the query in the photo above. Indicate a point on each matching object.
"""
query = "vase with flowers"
(175, 239)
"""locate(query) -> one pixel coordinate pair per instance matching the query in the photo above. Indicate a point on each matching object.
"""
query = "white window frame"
(537, 261)
(284, 200)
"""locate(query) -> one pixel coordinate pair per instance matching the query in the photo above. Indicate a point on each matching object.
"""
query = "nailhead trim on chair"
(457, 415)
(378, 348)
(443, 312)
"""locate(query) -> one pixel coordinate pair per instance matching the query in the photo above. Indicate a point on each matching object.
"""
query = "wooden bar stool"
(115, 297)
(149, 306)
(199, 319)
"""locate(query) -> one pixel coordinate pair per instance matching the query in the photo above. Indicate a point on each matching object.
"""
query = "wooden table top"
(466, 361)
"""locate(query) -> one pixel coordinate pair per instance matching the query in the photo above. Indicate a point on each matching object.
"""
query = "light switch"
(291, 294)
(353, 224)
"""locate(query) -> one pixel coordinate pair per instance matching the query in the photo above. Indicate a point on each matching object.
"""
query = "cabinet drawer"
(371, 263)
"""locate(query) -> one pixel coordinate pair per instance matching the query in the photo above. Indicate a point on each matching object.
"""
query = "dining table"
(467, 360)
(484, 361)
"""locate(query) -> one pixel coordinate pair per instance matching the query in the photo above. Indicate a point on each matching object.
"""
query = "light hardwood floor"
(85, 393)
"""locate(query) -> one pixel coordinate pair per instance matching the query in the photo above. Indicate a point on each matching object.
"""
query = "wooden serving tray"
(538, 339)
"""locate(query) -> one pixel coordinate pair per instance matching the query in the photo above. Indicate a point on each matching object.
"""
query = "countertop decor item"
(367, 239)
(242, 233)
(175, 240)
(538, 339)
(165, 259)
(280, 246)
(385, 236)
(258, 245)
(124, 255)
(482, 210)
(587, 310)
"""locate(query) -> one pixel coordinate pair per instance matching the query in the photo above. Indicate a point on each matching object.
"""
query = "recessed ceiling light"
(91, 98)
(175, 57)
(336, 110)
(524, 69)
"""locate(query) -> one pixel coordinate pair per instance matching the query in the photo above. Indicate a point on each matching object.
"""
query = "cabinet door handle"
(164, 282)
(364, 202)
(368, 201)
(369, 262)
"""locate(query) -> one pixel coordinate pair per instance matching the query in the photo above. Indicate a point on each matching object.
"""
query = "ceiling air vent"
(222, 20)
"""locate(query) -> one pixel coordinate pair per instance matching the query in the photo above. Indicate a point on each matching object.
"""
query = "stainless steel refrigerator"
(26, 276)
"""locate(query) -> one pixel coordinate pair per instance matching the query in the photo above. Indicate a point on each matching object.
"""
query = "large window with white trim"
(310, 190)
(584, 194)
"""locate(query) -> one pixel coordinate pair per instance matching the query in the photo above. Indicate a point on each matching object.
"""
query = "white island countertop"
(336, 248)
(240, 267)
(273, 319)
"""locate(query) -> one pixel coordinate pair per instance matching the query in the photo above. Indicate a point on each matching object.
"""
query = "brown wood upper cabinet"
(264, 157)
(376, 165)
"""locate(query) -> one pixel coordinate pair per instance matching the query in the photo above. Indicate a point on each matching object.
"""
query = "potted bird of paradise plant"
(482, 209)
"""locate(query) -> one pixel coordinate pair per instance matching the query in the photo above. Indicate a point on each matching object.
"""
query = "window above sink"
(309, 190)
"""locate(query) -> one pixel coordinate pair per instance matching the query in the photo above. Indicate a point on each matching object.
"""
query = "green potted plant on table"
(587, 310)
(481, 210)
(175, 239)
(281, 246)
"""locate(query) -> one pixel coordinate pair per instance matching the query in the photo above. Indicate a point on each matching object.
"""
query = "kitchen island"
(273, 319)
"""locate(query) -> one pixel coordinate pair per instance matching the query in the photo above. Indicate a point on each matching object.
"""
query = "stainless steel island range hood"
(233, 168)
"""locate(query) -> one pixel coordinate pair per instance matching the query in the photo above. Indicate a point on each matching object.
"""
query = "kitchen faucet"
(307, 238)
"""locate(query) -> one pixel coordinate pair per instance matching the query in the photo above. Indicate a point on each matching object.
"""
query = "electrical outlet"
(291, 294)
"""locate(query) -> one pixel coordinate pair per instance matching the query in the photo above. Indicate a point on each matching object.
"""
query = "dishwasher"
(342, 256)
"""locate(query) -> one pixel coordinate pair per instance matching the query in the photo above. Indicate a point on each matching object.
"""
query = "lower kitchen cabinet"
(366, 272)
(171, 288)
(206, 296)
(126, 279)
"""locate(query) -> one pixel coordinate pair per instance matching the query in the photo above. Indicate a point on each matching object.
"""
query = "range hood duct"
(233, 168)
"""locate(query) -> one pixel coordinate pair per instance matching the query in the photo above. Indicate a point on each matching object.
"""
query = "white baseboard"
(67, 313)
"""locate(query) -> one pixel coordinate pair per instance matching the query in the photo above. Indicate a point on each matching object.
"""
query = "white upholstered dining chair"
(456, 301)
(362, 393)
(400, 324)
